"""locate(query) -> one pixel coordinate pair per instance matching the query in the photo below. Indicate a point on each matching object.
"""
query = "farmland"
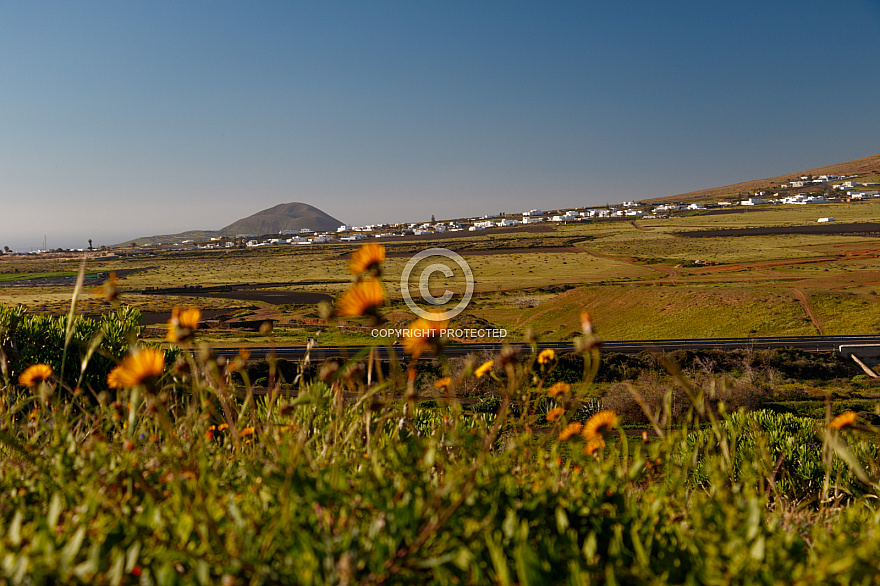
(640, 280)
(529, 467)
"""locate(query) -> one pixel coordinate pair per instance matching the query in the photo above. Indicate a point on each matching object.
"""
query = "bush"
(96, 344)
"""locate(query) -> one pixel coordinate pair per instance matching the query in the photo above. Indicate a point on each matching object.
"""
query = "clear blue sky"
(124, 119)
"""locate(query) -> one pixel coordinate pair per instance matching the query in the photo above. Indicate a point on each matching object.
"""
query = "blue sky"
(123, 119)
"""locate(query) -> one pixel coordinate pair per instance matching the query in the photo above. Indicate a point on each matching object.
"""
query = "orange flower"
(108, 289)
(113, 379)
(35, 375)
(442, 383)
(586, 323)
(484, 368)
(546, 355)
(141, 368)
(422, 335)
(246, 432)
(555, 413)
(570, 430)
(559, 388)
(362, 298)
(367, 259)
(843, 420)
(183, 324)
(600, 424)
(597, 443)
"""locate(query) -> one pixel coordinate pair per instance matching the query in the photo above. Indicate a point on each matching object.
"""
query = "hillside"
(286, 216)
(864, 166)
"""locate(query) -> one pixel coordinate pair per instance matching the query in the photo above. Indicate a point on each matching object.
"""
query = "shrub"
(93, 349)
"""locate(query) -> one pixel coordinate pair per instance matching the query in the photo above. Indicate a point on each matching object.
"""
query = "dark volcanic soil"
(827, 229)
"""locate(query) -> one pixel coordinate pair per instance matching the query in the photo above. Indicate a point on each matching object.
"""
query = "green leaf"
(562, 523)
(54, 511)
(71, 548)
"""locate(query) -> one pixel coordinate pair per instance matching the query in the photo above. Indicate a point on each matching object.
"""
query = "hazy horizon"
(119, 121)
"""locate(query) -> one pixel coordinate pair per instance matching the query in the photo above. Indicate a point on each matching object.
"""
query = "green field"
(639, 280)
(127, 463)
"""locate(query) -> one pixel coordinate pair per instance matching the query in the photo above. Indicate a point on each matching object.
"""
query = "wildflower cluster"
(187, 475)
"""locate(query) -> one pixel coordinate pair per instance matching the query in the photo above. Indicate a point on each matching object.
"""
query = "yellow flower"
(183, 324)
(484, 368)
(570, 430)
(362, 298)
(239, 361)
(442, 383)
(555, 413)
(586, 323)
(600, 424)
(247, 431)
(108, 289)
(113, 380)
(843, 420)
(367, 259)
(421, 335)
(597, 443)
(546, 355)
(559, 388)
(141, 368)
(35, 375)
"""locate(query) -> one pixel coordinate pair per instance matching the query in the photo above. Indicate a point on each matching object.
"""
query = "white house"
(804, 199)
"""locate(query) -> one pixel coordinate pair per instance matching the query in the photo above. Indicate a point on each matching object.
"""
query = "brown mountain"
(864, 166)
(285, 216)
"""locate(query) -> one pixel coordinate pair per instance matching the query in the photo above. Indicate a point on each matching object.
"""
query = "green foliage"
(785, 448)
(93, 350)
(193, 480)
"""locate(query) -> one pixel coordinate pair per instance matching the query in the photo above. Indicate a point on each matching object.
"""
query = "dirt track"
(805, 304)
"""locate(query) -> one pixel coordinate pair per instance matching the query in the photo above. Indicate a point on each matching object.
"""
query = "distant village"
(833, 188)
(847, 188)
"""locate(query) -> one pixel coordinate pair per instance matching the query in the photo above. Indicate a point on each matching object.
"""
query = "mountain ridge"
(281, 217)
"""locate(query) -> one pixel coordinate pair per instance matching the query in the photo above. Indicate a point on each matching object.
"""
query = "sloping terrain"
(285, 216)
(864, 166)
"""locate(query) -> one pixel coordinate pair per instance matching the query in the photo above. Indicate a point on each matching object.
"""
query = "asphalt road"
(808, 343)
